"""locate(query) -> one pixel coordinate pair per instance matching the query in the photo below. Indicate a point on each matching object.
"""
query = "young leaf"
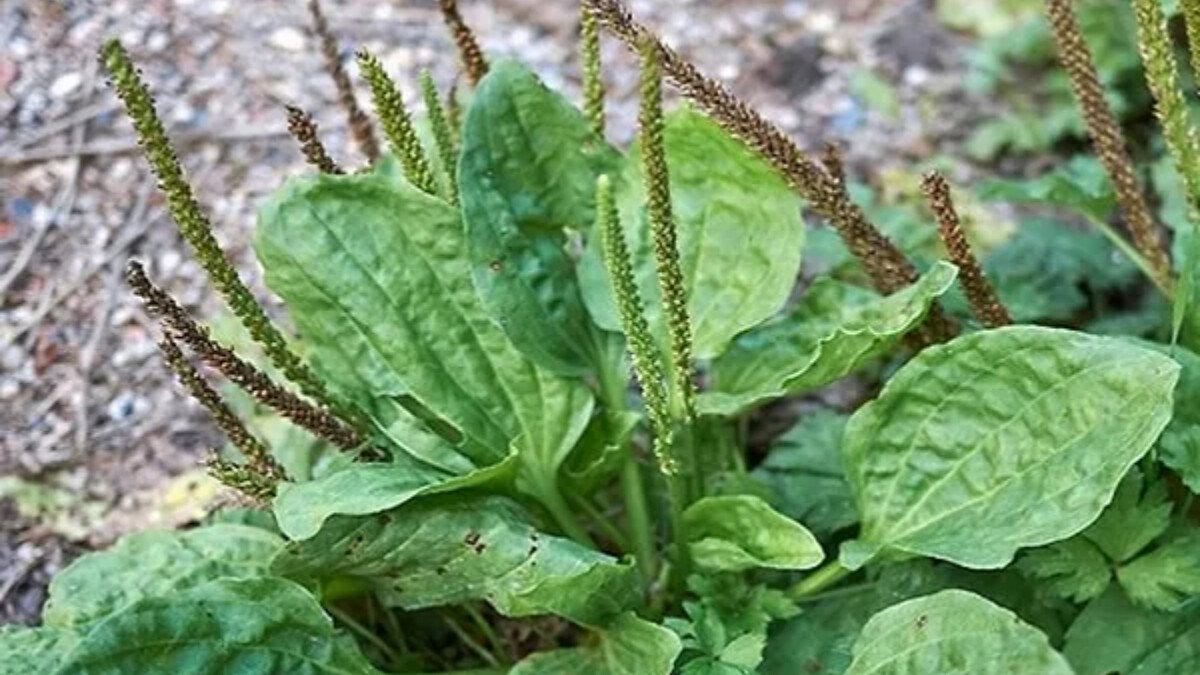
(527, 175)
(1001, 439)
(835, 329)
(1073, 569)
(1140, 511)
(740, 532)
(804, 470)
(375, 275)
(953, 632)
(435, 552)
(364, 488)
(228, 625)
(1114, 636)
(726, 629)
(627, 646)
(1165, 578)
(151, 565)
(739, 235)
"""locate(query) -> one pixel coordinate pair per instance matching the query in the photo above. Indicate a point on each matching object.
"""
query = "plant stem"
(486, 629)
(680, 559)
(470, 642)
(364, 632)
(818, 581)
(602, 522)
(552, 499)
(614, 386)
(1132, 253)
(637, 516)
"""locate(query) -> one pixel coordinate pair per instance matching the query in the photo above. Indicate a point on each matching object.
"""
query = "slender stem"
(835, 593)
(637, 516)
(393, 626)
(818, 581)
(614, 386)
(1133, 254)
(487, 630)
(469, 641)
(552, 499)
(364, 632)
(681, 558)
(602, 522)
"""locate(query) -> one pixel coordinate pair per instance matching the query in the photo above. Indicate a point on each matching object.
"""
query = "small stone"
(288, 38)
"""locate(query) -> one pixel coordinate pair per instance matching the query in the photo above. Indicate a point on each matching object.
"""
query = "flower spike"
(304, 130)
(593, 76)
(442, 137)
(194, 226)
(985, 304)
(1102, 126)
(397, 123)
(176, 322)
(360, 125)
(647, 361)
(473, 61)
(663, 233)
(259, 476)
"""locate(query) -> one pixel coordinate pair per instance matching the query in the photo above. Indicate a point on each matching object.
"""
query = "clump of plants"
(524, 366)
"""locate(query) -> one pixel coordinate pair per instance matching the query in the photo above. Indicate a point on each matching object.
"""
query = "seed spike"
(194, 225)
(1109, 143)
(663, 233)
(181, 326)
(647, 361)
(443, 138)
(888, 268)
(304, 130)
(260, 475)
(593, 76)
(360, 125)
(831, 160)
(985, 304)
(397, 123)
(454, 114)
(473, 62)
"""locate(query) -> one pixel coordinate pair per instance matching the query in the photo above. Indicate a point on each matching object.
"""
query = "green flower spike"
(442, 136)
(647, 362)
(662, 232)
(194, 225)
(397, 123)
(593, 79)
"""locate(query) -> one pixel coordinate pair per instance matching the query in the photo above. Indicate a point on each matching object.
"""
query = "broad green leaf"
(25, 650)
(1112, 635)
(245, 626)
(376, 278)
(804, 471)
(154, 564)
(999, 440)
(443, 551)
(834, 330)
(953, 632)
(527, 175)
(365, 488)
(1073, 569)
(1140, 511)
(1165, 578)
(739, 235)
(741, 532)
(627, 646)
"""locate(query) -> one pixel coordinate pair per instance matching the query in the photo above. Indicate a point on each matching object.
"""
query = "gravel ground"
(95, 440)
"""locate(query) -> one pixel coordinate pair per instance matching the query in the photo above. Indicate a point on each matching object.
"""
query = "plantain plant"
(519, 386)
